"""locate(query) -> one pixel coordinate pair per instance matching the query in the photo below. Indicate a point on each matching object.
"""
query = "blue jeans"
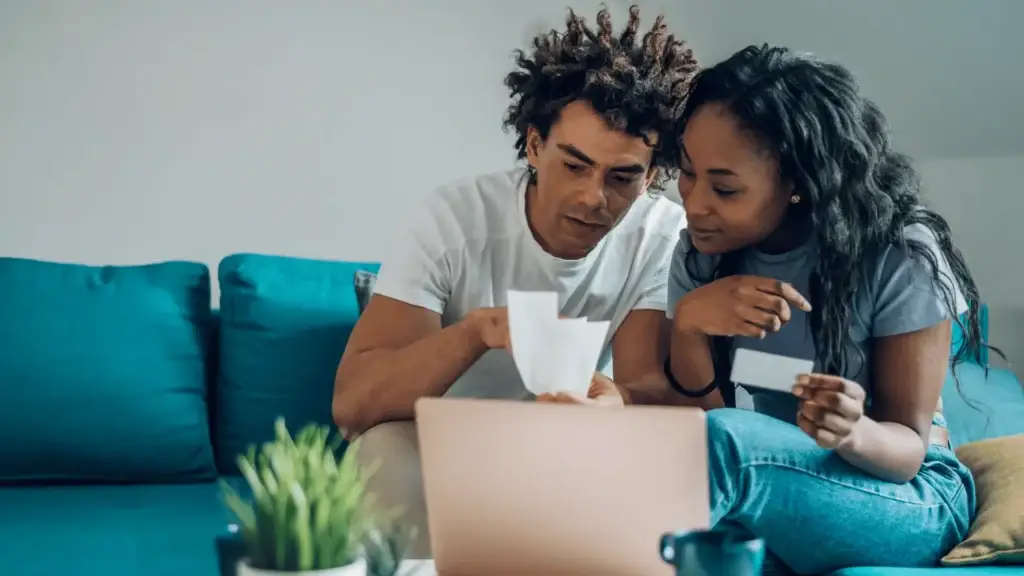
(816, 512)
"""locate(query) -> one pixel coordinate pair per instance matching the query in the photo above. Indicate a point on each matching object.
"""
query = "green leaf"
(310, 510)
(303, 533)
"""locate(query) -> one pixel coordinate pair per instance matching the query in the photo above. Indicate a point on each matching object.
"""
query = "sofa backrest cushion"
(958, 335)
(979, 406)
(103, 372)
(284, 325)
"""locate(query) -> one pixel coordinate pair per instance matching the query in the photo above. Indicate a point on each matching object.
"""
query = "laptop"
(553, 489)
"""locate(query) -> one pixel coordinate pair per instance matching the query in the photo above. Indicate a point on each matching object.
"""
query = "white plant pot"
(357, 568)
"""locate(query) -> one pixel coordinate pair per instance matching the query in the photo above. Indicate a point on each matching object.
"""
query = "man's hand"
(602, 392)
(491, 325)
(830, 409)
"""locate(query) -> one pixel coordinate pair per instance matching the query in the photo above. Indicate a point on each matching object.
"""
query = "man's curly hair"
(637, 87)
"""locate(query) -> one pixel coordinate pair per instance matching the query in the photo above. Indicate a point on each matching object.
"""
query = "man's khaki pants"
(393, 448)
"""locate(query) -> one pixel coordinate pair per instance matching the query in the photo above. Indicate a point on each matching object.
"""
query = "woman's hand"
(602, 392)
(739, 306)
(830, 409)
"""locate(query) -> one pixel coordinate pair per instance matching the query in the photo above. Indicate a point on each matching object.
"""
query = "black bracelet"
(674, 384)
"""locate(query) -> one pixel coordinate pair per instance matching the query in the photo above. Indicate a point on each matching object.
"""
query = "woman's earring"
(794, 199)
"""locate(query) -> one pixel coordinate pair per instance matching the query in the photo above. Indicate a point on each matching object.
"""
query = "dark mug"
(712, 553)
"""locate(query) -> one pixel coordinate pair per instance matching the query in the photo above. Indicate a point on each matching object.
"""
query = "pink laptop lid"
(528, 488)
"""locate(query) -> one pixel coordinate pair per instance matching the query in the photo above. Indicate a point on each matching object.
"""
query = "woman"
(807, 238)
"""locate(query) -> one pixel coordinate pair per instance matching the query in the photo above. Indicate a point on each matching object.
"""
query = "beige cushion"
(997, 535)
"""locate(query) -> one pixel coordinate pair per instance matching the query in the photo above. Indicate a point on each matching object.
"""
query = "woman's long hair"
(857, 193)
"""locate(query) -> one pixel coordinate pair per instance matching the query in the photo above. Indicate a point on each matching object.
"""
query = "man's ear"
(534, 145)
(652, 173)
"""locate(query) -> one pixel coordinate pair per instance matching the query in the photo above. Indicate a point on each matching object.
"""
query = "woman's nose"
(696, 202)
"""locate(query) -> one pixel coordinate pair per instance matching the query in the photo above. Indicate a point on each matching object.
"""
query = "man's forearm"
(383, 385)
(886, 450)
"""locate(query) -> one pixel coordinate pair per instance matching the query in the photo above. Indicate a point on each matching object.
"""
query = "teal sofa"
(125, 396)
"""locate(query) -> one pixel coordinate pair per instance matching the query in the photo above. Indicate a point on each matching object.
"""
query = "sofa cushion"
(107, 530)
(957, 340)
(997, 534)
(284, 325)
(102, 372)
(979, 406)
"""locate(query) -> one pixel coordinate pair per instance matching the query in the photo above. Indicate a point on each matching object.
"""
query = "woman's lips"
(703, 233)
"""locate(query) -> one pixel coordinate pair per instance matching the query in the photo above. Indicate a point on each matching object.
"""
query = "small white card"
(768, 371)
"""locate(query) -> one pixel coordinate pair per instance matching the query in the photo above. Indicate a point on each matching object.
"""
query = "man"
(590, 111)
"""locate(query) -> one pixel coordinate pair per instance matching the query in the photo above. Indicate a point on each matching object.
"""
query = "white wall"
(142, 130)
(133, 131)
(941, 69)
(983, 200)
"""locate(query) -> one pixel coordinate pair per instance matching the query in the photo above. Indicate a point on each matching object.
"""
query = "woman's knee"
(740, 427)
(738, 437)
(726, 418)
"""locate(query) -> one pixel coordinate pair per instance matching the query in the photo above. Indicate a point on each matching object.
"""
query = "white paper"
(552, 354)
(528, 313)
(570, 356)
(768, 371)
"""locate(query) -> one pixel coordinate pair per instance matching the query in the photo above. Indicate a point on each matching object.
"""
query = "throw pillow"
(284, 325)
(103, 372)
(997, 535)
(365, 281)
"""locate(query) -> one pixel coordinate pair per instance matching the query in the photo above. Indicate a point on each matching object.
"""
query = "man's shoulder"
(656, 218)
(479, 191)
(475, 207)
(666, 217)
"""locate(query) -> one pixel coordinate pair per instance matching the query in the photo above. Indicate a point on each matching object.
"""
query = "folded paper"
(552, 354)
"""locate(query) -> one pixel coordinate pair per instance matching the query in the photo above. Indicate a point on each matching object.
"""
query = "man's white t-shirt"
(469, 243)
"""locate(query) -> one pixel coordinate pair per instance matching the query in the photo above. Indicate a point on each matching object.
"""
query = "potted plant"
(309, 513)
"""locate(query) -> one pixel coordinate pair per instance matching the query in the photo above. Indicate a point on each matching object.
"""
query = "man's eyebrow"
(578, 154)
(631, 169)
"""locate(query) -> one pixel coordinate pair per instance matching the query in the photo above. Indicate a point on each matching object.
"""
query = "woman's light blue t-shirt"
(896, 295)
